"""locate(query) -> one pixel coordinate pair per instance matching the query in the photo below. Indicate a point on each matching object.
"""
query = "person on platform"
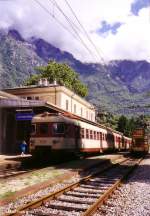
(23, 147)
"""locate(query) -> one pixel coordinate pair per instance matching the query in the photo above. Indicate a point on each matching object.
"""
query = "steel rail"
(110, 191)
(56, 194)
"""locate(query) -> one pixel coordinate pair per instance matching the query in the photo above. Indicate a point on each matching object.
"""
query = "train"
(140, 140)
(66, 133)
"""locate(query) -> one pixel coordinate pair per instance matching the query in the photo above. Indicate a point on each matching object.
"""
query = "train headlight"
(32, 144)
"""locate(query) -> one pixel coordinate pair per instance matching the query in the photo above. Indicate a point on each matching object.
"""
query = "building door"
(23, 132)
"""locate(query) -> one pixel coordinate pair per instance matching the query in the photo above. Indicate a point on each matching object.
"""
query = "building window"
(87, 114)
(74, 108)
(36, 97)
(67, 105)
(81, 111)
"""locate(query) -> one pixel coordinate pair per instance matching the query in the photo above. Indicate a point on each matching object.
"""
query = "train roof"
(51, 117)
(69, 118)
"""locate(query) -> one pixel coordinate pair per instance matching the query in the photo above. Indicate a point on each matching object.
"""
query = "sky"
(113, 29)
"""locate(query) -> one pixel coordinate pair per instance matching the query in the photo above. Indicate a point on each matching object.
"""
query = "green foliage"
(32, 80)
(127, 126)
(63, 74)
(107, 119)
(123, 124)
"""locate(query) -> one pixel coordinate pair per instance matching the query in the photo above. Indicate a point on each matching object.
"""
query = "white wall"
(73, 101)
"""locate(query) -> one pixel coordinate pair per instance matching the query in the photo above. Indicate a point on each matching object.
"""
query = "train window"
(43, 128)
(100, 135)
(29, 98)
(33, 129)
(91, 134)
(94, 134)
(103, 136)
(87, 133)
(97, 135)
(58, 128)
(82, 132)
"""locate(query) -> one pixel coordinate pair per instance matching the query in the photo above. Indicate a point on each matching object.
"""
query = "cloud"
(130, 41)
(106, 27)
(138, 5)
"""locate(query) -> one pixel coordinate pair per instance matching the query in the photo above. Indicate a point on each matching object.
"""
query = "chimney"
(40, 82)
(43, 82)
(55, 82)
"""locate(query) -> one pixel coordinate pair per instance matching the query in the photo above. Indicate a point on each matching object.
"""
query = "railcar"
(140, 141)
(53, 133)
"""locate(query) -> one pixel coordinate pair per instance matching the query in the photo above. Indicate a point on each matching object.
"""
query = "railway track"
(82, 197)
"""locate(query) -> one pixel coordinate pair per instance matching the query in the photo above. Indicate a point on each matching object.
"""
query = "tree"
(123, 124)
(63, 74)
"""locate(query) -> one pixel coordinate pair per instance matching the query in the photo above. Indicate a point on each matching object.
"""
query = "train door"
(77, 138)
(101, 144)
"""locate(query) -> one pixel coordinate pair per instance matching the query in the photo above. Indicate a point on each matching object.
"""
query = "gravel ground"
(24, 200)
(133, 198)
(9, 187)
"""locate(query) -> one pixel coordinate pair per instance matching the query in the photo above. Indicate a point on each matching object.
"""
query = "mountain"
(121, 86)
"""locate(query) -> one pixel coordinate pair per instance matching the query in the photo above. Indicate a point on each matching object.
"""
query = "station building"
(15, 120)
(30, 100)
(57, 95)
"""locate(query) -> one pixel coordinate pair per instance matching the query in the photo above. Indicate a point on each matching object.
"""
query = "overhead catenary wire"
(89, 38)
(85, 31)
(52, 15)
(74, 34)
(73, 26)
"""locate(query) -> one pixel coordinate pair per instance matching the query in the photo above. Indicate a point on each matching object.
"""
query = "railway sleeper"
(44, 212)
(66, 206)
(100, 187)
(98, 184)
(88, 190)
(53, 212)
(81, 200)
(102, 181)
(77, 194)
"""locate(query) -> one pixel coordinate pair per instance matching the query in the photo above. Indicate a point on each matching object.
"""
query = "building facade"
(59, 96)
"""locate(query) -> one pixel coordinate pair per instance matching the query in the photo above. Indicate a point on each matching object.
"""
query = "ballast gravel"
(133, 198)
(26, 199)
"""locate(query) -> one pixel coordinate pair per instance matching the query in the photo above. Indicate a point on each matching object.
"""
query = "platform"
(11, 161)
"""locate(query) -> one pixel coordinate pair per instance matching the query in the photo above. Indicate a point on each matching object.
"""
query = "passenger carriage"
(53, 133)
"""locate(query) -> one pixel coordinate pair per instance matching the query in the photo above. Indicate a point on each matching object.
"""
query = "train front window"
(43, 128)
(58, 128)
(33, 129)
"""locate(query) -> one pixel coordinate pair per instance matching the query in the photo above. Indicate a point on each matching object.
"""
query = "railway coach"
(140, 140)
(67, 133)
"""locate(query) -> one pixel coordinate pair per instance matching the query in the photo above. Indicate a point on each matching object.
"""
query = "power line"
(73, 26)
(52, 15)
(73, 34)
(84, 30)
